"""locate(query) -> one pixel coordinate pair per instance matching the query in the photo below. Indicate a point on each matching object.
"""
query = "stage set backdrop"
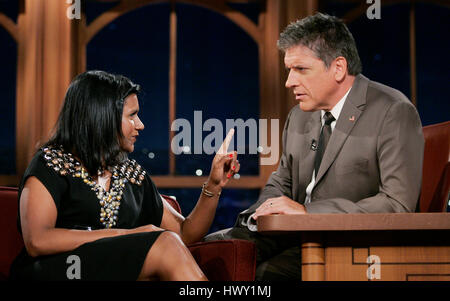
(208, 59)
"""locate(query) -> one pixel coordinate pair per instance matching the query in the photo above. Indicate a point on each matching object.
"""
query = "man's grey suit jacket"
(373, 161)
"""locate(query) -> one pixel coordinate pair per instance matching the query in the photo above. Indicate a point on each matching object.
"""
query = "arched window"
(137, 45)
(404, 49)
(218, 78)
(432, 61)
(170, 48)
(191, 60)
(207, 62)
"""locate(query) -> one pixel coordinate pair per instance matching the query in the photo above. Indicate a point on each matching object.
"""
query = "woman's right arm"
(38, 219)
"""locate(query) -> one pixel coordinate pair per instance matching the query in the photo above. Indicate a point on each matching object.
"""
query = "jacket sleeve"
(279, 183)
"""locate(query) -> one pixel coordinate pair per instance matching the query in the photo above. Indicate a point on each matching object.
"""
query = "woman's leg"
(170, 260)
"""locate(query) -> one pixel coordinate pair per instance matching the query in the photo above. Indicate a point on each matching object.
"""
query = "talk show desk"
(368, 247)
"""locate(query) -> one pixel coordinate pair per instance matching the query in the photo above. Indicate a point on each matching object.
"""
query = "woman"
(82, 196)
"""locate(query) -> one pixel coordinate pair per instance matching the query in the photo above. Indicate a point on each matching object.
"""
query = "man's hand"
(279, 205)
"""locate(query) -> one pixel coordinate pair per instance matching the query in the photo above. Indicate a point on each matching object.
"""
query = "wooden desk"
(408, 246)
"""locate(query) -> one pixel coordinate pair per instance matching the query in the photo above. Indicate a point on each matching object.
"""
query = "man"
(351, 146)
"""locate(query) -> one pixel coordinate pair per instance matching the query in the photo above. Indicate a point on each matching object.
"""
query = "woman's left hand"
(225, 165)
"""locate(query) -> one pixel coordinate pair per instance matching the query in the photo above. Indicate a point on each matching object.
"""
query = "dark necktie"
(325, 135)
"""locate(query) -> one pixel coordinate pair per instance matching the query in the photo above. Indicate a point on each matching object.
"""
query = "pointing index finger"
(226, 143)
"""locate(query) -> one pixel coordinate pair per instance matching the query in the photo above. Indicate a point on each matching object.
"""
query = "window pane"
(137, 46)
(10, 8)
(337, 8)
(251, 9)
(383, 45)
(433, 60)
(8, 61)
(217, 75)
(94, 8)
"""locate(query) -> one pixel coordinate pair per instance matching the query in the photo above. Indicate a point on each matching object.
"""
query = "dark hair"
(90, 122)
(327, 36)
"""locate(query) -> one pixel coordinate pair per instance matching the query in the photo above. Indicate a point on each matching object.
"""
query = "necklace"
(128, 171)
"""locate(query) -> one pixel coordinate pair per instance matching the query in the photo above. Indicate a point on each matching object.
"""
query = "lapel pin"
(352, 118)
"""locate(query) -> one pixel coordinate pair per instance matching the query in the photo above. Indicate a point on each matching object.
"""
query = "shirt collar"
(336, 110)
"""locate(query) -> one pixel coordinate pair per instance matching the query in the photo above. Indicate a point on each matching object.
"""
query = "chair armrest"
(172, 202)
(226, 260)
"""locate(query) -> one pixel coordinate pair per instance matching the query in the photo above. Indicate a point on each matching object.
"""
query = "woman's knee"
(170, 247)
(160, 256)
(171, 238)
(169, 258)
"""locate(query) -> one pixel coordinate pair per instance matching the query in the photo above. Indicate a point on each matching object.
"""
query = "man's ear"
(340, 68)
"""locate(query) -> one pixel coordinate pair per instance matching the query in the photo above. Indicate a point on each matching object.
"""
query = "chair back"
(436, 168)
(10, 240)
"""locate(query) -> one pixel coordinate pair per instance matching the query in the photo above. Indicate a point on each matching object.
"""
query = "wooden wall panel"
(276, 100)
(29, 81)
(47, 62)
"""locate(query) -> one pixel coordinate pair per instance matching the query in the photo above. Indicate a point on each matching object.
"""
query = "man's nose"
(291, 80)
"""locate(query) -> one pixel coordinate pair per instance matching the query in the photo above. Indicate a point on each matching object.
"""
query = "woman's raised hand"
(224, 165)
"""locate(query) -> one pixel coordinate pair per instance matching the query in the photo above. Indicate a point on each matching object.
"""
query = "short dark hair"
(327, 36)
(90, 122)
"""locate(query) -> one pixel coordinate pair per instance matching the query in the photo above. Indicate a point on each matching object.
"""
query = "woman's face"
(131, 124)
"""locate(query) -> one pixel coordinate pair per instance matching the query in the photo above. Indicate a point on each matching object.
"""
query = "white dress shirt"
(335, 111)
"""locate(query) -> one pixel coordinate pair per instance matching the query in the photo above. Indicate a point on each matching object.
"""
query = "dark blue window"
(137, 45)
(10, 8)
(384, 48)
(8, 61)
(232, 201)
(217, 74)
(433, 74)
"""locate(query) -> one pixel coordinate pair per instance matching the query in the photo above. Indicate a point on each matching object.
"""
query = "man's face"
(312, 83)
(131, 124)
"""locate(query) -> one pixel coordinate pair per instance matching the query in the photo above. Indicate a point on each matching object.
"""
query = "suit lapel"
(306, 162)
(349, 116)
(313, 128)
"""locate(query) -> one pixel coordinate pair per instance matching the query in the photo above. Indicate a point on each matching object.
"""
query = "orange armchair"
(10, 240)
(229, 260)
(436, 168)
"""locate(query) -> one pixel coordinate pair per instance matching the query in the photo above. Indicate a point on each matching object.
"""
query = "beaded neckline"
(65, 164)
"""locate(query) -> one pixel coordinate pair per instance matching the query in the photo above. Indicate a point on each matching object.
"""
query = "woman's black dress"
(132, 201)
